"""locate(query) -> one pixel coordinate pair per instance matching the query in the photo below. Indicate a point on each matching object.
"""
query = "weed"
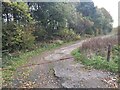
(97, 62)
(11, 63)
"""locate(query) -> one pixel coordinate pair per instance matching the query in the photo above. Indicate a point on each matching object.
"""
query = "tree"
(100, 17)
(15, 11)
(51, 16)
(107, 21)
(46, 20)
(15, 19)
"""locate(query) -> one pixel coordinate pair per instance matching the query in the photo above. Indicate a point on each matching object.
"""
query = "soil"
(61, 73)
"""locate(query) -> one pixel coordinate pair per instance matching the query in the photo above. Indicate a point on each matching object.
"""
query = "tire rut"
(62, 74)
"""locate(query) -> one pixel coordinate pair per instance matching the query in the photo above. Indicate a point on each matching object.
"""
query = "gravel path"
(60, 74)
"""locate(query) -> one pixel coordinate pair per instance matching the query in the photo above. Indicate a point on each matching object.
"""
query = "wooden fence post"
(108, 53)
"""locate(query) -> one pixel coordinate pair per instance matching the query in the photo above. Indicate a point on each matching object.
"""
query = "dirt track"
(61, 74)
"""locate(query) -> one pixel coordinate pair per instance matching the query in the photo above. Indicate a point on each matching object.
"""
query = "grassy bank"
(97, 61)
(10, 63)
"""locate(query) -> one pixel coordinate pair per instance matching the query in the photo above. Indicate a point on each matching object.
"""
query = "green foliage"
(20, 37)
(105, 21)
(50, 20)
(69, 35)
(40, 33)
(78, 56)
(15, 11)
(17, 32)
(11, 36)
(24, 24)
(27, 38)
(97, 62)
(77, 37)
(59, 42)
(10, 62)
(51, 16)
(101, 17)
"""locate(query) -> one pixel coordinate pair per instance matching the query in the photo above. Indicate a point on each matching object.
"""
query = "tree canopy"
(25, 23)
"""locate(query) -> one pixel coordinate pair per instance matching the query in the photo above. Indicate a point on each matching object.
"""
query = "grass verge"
(11, 63)
(97, 62)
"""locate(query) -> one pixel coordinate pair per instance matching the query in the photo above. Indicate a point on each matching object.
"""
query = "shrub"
(17, 37)
(77, 37)
(98, 45)
(27, 38)
(40, 32)
(97, 62)
(69, 35)
(59, 42)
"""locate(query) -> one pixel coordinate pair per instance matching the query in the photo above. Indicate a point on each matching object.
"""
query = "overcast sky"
(111, 6)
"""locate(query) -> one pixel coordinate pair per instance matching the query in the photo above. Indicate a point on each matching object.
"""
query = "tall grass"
(98, 46)
(98, 43)
(93, 53)
(97, 62)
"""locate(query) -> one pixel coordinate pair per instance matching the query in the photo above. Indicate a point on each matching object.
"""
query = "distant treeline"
(25, 23)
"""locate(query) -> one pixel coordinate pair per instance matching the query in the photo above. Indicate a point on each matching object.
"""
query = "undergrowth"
(97, 61)
(10, 62)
